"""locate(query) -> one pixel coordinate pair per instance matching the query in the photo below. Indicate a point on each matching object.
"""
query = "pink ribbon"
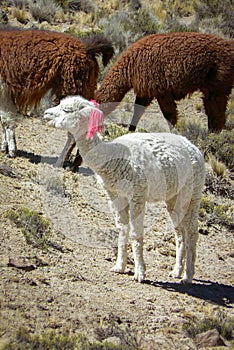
(96, 121)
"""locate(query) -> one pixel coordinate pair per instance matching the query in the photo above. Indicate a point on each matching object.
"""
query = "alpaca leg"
(4, 145)
(191, 242)
(139, 107)
(174, 207)
(137, 212)
(168, 107)
(186, 240)
(180, 254)
(8, 139)
(77, 161)
(190, 223)
(11, 142)
(122, 223)
(215, 107)
(67, 150)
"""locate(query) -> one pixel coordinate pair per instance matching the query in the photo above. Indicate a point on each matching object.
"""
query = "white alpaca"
(136, 168)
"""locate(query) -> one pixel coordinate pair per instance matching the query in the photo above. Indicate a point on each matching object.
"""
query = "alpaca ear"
(96, 123)
(82, 105)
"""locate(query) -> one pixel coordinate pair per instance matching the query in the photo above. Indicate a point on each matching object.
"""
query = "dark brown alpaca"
(33, 62)
(168, 67)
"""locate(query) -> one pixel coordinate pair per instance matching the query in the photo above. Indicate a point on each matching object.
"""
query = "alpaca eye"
(67, 109)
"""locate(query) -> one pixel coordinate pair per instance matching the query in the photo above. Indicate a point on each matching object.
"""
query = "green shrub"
(215, 213)
(113, 131)
(56, 185)
(219, 14)
(125, 27)
(35, 228)
(23, 340)
(118, 28)
(219, 185)
(179, 8)
(20, 14)
(144, 22)
(223, 324)
(221, 146)
(43, 10)
(21, 4)
(218, 167)
(193, 130)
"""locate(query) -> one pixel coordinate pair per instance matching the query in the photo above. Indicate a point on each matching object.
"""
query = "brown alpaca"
(168, 67)
(33, 62)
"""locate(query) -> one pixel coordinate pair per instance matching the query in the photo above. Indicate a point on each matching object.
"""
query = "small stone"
(21, 263)
(113, 340)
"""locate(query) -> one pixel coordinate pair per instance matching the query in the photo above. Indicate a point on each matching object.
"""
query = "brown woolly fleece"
(33, 62)
(168, 67)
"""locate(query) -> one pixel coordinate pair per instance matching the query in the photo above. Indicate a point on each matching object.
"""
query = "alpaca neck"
(112, 91)
(89, 149)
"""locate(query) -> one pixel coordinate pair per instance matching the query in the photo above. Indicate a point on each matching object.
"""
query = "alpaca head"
(77, 115)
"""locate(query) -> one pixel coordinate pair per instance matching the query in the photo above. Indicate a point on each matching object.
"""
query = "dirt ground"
(69, 285)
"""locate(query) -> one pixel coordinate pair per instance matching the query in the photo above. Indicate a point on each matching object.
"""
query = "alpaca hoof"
(117, 269)
(175, 274)
(139, 278)
(12, 154)
(186, 281)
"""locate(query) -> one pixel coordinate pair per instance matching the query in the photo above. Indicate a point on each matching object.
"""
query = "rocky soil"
(68, 285)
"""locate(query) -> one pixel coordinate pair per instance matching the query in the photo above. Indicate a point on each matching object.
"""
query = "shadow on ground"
(213, 292)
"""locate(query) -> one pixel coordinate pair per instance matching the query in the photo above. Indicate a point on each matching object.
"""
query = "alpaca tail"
(98, 45)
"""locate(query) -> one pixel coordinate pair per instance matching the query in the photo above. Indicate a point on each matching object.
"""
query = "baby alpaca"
(136, 168)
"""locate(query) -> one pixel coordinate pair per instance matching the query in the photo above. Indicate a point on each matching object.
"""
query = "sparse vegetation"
(113, 131)
(219, 147)
(43, 10)
(219, 14)
(221, 322)
(219, 186)
(20, 14)
(56, 185)
(218, 167)
(35, 228)
(216, 213)
(24, 340)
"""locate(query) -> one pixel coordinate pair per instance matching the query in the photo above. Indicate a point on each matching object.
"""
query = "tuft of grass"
(193, 130)
(111, 326)
(56, 186)
(221, 146)
(219, 185)
(118, 27)
(113, 131)
(221, 322)
(21, 4)
(20, 14)
(215, 14)
(43, 10)
(35, 228)
(218, 167)
(24, 340)
(215, 213)
(145, 22)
